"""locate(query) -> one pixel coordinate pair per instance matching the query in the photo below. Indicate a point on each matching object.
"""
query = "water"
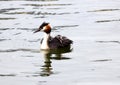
(92, 25)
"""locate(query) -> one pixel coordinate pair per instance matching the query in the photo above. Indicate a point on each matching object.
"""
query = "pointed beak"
(39, 29)
(36, 31)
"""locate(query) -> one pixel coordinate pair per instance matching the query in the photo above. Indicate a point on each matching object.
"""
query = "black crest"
(41, 26)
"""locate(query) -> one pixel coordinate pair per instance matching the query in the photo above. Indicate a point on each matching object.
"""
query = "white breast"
(44, 44)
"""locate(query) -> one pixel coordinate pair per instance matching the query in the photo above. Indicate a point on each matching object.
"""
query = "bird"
(48, 42)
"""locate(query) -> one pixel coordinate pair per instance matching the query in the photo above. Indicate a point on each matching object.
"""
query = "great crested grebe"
(49, 42)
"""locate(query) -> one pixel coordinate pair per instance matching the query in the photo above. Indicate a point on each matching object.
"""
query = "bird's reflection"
(47, 69)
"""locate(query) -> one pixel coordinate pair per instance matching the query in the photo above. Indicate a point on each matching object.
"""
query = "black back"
(59, 42)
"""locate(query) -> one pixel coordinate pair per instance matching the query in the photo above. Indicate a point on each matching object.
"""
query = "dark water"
(92, 25)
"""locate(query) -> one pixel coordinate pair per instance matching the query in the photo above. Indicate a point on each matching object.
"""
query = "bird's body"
(56, 42)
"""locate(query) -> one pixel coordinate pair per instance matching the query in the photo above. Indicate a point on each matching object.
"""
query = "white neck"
(44, 44)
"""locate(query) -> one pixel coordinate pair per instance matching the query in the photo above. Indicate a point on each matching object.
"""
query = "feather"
(59, 42)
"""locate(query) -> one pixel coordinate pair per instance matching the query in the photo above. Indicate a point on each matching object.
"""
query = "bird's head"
(44, 27)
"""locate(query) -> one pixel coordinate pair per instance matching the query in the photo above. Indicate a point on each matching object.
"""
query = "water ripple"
(41, 5)
(66, 26)
(8, 9)
(31, 29)
(102, 21)
(37, 13)
(1, 29)
(102, 60)
(118, 42)
(21, 12)
(34, 40)
(20, 49)
(17, 33)
(2, 11)
(4, 39)
(6, 75)
(103, 10)
(7, 18)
